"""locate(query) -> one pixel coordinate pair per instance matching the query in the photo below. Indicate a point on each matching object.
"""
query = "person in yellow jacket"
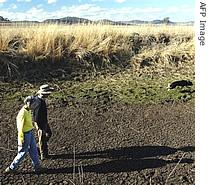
(26, 139)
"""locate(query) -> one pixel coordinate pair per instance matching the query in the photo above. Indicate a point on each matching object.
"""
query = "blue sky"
(177, 10)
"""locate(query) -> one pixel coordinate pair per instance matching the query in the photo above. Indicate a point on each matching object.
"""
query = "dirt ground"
(117, 144)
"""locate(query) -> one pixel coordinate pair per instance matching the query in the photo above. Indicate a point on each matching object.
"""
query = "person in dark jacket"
(40, 117)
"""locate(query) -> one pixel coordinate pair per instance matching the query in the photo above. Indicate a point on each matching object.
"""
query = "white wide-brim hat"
(45, 89)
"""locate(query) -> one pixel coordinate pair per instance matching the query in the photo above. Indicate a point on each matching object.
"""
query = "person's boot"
(43, 157)
(38, 170)
(9, 170)
(38, 150)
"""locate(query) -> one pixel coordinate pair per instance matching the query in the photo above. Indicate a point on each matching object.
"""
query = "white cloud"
(97, 0)
(13, 6)
(94, 12)
(51, 1)
(39, 5)
(36, 14)
(34, 10)
(120, 1)
(3, 1)
(85, 11)
(23, 0)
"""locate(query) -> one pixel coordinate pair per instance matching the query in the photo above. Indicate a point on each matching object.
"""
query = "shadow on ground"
(126, 159)
(134, 152)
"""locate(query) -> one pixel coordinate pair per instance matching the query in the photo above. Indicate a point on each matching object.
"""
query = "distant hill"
(68, 20)
(77, 20)
(137, 22)
(26, 22)
(110, 22)
(134, 22)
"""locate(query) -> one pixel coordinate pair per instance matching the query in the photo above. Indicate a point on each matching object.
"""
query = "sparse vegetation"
(148, 55)
(113, 117)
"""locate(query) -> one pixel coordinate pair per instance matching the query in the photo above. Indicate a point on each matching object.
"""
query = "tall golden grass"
(58, 41)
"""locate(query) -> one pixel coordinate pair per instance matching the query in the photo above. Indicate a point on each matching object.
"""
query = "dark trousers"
(44, 136)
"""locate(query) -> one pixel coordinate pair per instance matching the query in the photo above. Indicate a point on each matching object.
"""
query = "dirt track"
(118, 144)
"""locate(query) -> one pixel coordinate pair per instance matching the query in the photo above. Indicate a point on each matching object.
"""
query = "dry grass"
(171, 58)
(42, 39)
(82, 41)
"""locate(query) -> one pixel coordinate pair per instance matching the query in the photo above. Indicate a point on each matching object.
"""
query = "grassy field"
(149, 56)
(56, 40)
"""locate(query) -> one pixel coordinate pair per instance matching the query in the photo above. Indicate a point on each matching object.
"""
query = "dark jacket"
(40, 114)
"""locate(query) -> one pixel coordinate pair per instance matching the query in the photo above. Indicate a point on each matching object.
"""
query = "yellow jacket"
(24, 123)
